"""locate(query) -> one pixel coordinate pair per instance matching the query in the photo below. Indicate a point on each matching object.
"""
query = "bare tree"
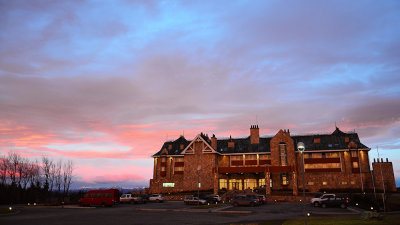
(58, 175)
(46, 167)
(14, 160)
(3, 170)
(34, 174)
(23, 172)
(67, 176)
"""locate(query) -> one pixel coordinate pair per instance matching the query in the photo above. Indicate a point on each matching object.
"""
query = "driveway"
(129, 214)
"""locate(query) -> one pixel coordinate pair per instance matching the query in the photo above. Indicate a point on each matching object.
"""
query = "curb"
(221, 208)
(333, 213)
(194, 211)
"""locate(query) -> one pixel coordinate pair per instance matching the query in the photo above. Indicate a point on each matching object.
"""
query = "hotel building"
(332, 161)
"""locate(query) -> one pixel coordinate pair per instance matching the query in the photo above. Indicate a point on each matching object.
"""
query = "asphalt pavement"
(170, 212)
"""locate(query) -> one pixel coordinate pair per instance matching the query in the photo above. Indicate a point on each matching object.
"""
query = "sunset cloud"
(113, 80)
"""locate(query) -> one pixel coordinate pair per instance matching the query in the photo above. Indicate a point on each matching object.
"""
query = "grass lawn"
(6, 211)
(387, 220)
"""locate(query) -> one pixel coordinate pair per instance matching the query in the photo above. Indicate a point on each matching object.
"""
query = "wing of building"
(331, 161)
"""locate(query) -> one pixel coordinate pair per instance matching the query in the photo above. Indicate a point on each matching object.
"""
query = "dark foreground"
(131, 214)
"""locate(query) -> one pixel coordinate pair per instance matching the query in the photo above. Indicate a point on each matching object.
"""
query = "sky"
(105, 83)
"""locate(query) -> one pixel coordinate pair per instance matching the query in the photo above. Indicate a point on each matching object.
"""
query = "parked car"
(210, 198)
(262, 199)
(244, 200)
(132, 199)
(216, 198)
(260, 189)
(194, 201)
(316, 201)
(337, 201)
(156, 198)
(100, 197)
(213, 199)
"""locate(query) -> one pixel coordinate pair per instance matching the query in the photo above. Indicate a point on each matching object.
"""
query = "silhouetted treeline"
(26, 181)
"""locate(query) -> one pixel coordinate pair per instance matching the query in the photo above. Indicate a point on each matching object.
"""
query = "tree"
(3, 170)
(14, 160)
(58, 175)
(46, 167)
(67, 176)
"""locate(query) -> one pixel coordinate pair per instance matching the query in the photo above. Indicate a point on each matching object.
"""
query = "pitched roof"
(334, 141)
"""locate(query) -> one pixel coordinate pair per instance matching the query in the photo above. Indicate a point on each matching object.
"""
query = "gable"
(204, 146)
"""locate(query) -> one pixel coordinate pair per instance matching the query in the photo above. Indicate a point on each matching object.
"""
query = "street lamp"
(198, 185)
(301, 147)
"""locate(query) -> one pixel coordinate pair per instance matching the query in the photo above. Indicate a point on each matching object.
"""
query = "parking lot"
(174, 213)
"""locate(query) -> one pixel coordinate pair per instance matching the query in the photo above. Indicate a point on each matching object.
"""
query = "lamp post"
(301, 147)
(198, 185)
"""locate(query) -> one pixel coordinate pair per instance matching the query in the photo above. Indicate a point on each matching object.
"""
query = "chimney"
(231, 144)
(387, 160)
(214, 142)
(254, 134)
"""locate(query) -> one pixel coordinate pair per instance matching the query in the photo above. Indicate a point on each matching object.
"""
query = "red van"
(100, 197)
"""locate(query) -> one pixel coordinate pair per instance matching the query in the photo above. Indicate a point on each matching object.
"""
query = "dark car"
(262, 199)
(260, 189)
(337, 201)
(210, 198)
(244, 200)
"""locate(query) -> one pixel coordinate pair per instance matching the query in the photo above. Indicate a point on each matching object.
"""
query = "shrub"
(369, 215)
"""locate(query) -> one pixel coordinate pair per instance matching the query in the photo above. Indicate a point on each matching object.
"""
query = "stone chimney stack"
(214, 142)
(254, 134)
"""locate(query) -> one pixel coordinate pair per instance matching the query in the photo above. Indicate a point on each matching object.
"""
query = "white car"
(156, 198)
(316, 201)
(194, 201)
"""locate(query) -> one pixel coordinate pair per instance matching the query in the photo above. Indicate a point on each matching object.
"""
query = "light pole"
(198, 185)
(301, 147)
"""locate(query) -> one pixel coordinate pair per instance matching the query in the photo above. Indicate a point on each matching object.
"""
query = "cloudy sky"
(105, 83)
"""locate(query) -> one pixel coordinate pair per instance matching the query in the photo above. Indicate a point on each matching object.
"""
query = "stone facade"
(332, 161)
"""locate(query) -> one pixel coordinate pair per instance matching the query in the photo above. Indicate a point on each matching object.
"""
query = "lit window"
(180, 168)
(284, 179)
(352, 182)
(250, 183)
(343, 182)
(223, 183)
(324, 183)
(332, 155)
(355, 164)
(179, 159)
(168, 185)
(235, 184)
(310, 183)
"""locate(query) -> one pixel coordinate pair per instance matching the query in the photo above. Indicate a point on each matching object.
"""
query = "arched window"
(282, 154)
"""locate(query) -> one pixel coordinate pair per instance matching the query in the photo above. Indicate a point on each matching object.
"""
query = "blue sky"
(107, 82)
